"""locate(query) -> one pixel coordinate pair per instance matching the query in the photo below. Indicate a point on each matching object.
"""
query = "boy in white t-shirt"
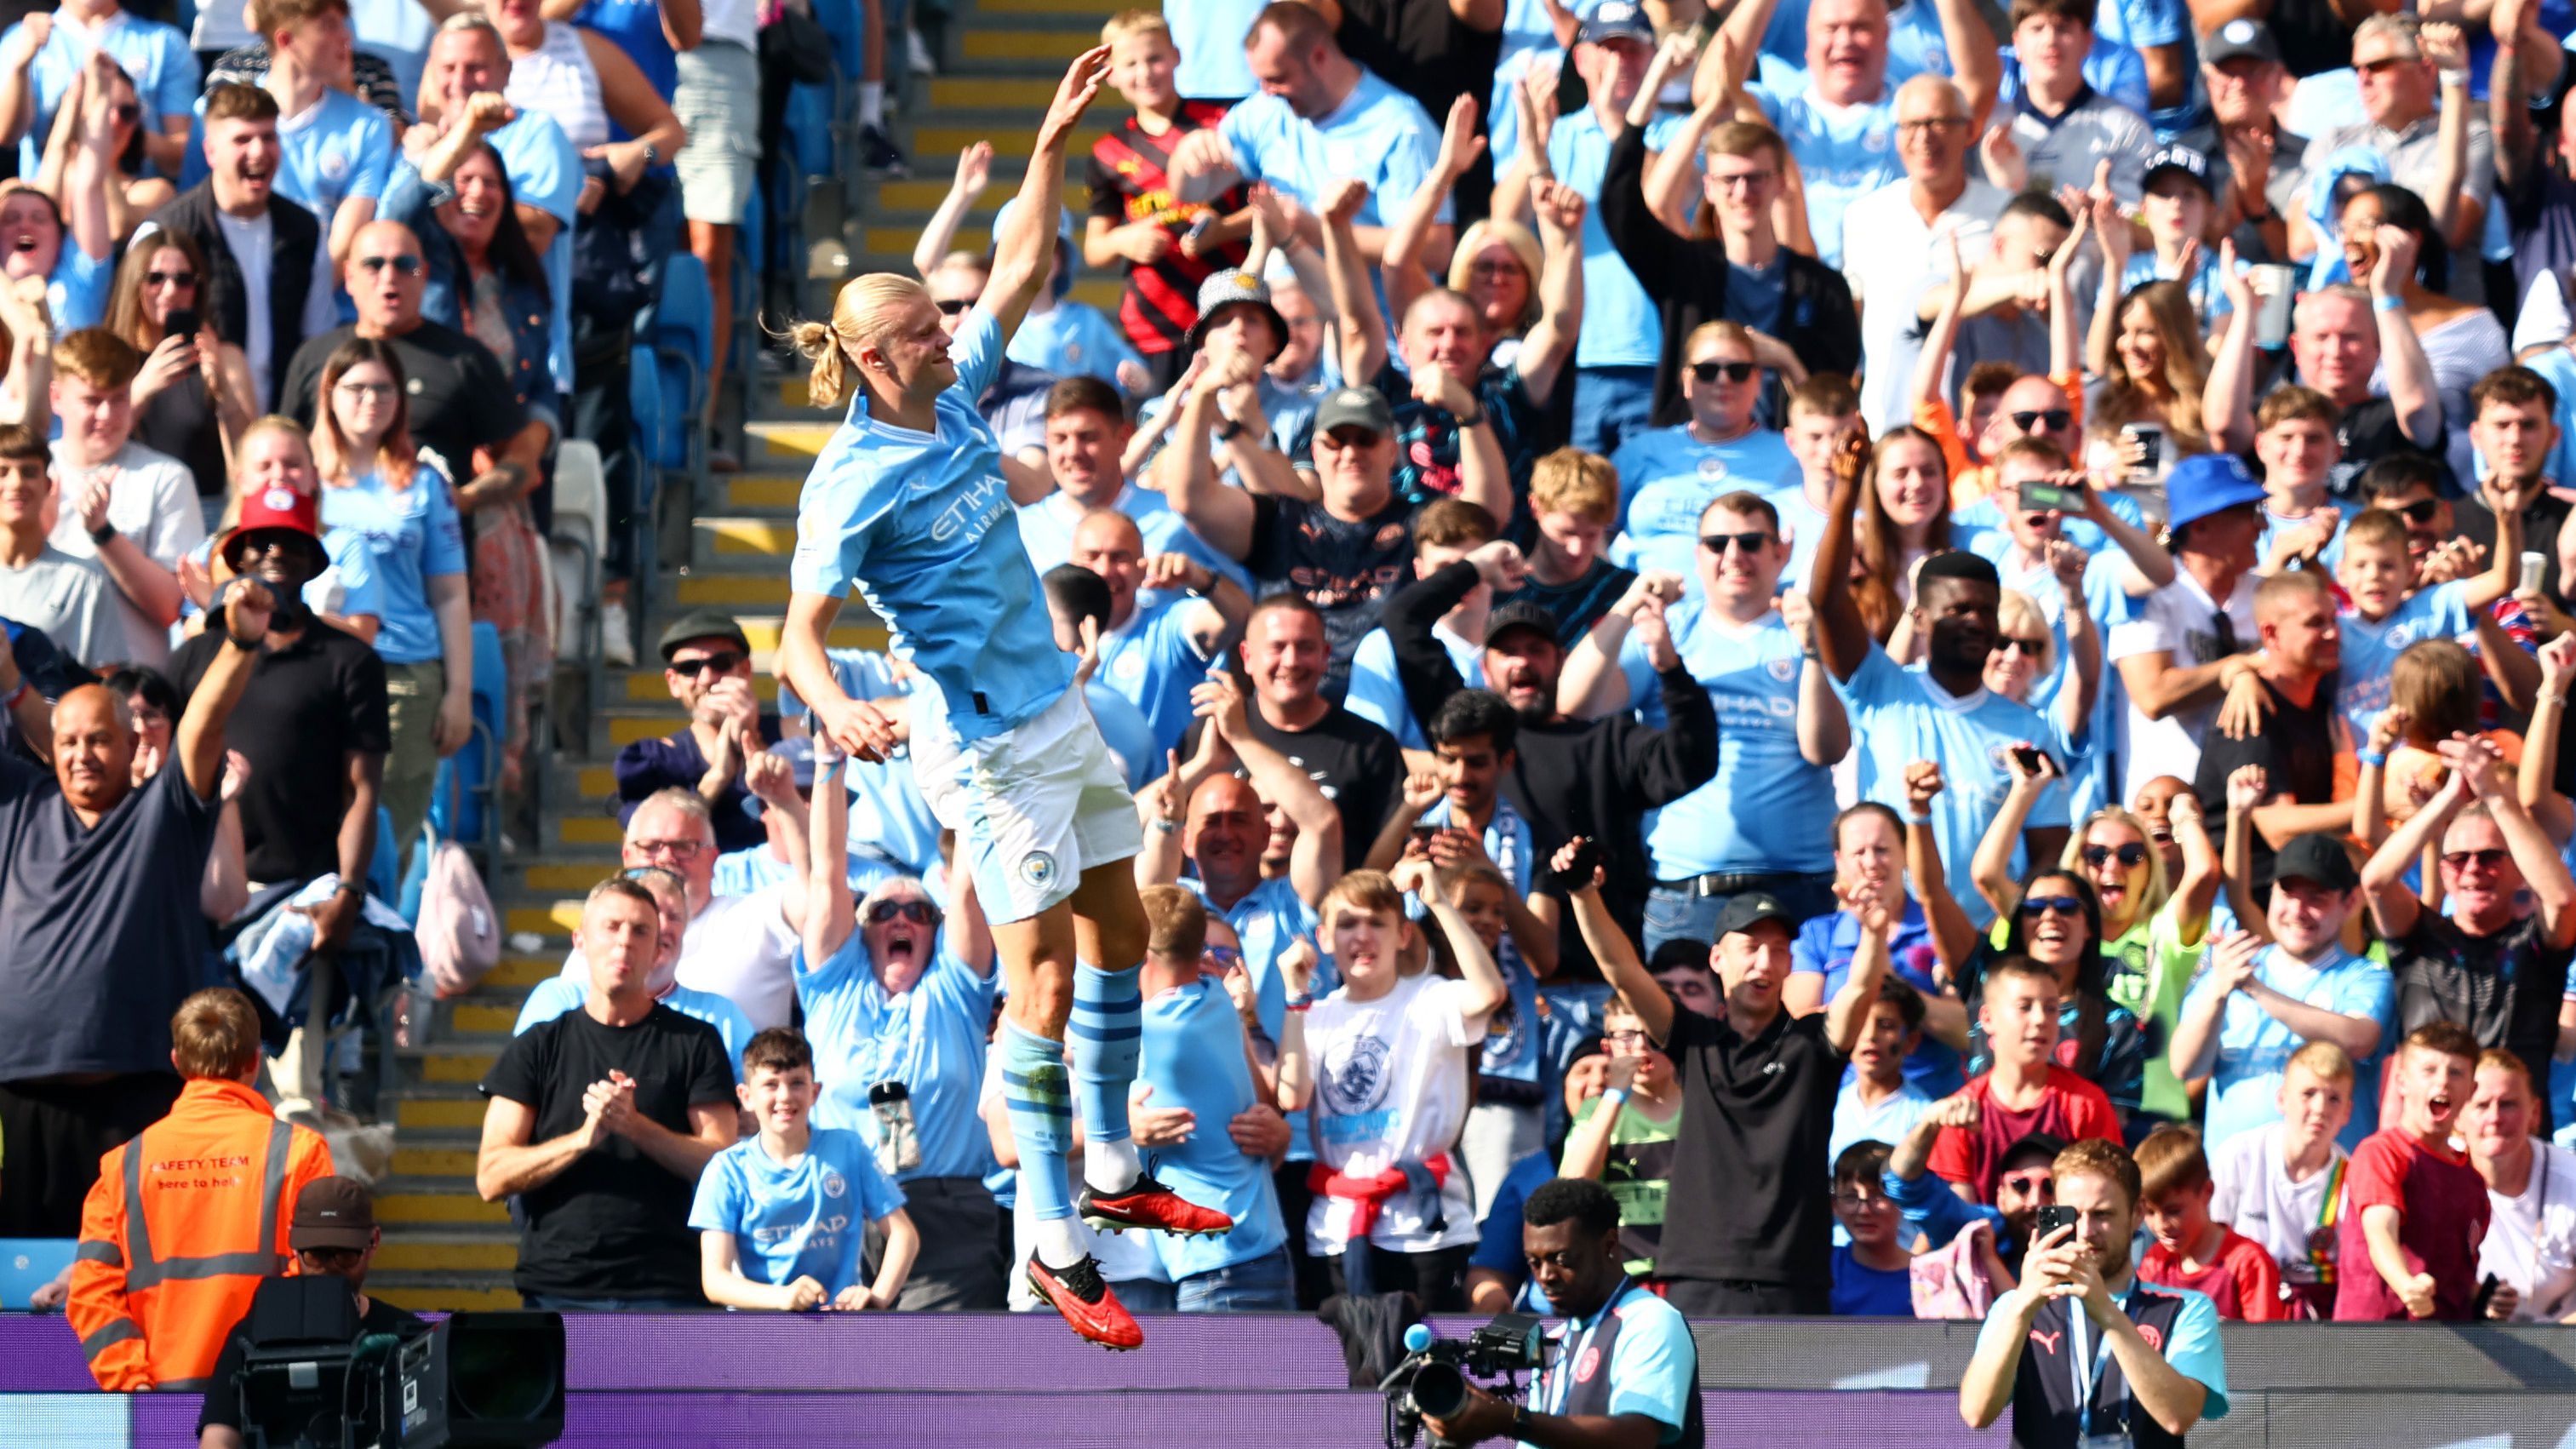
(781, 1216)
(2282, 1185)
(1391, 1054)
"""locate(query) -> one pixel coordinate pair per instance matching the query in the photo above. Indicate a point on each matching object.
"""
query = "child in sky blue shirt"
(2389, 613)
(782, 1216)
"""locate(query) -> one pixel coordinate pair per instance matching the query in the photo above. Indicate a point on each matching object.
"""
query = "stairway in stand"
(444, 1247)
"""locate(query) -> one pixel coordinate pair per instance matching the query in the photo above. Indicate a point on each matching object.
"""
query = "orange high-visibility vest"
(180, 1227)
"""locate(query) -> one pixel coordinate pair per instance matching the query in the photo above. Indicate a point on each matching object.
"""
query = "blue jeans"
(1611, 403)
(1263, 1285)
(1680, 913)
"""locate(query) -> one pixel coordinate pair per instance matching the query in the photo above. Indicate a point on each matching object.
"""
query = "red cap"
(276, 507)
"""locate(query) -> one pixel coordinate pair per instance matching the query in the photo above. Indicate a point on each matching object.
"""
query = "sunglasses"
(2054, 420)
(1719, 543)
(954, 305)
(1223, 958)
(406, 264)
(2027, 1182)
(1731, 371)
(2382, 66)
(127, 113)
(2422, 510)
(2130, 854)
(2036, 906)
(920, 913)
(1351, 438)
(365, 390)
(2035, 648)
(1933, 123)
(170, 279)
(2483, 859)
(723, 661)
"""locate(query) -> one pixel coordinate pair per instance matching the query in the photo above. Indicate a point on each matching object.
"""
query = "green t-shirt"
(1638, 1172)
(2149, 970)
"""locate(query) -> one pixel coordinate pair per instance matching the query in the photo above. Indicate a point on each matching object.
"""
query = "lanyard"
(2329, 1212)
(1560, 1375)
(2088, 1367)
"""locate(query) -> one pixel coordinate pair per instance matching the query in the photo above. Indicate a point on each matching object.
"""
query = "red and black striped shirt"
(1128, 184)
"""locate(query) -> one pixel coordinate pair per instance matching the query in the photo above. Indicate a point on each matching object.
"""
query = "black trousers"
(1438, 1278)
(57, 1133)
(1731, 1298)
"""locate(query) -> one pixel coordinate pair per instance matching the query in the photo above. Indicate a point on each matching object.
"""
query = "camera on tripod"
(1433, 1379)
(311, 1379)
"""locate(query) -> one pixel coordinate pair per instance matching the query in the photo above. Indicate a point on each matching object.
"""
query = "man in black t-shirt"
(1359, 766)
(2296, 741)
(2491, 965)
(461, 401)
(334, 1235)
(600, 1120)
(1748, 1226)
(1342, 555)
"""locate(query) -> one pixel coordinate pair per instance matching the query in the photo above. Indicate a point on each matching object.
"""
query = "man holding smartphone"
(2083, 1354)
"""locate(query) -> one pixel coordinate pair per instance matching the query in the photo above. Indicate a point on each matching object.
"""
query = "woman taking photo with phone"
(193, 400)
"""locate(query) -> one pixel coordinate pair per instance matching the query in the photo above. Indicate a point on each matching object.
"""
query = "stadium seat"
(463, 806)
(684, 351)
(645, 398)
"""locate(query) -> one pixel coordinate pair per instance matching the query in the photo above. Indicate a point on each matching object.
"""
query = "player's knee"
(1044, 1004)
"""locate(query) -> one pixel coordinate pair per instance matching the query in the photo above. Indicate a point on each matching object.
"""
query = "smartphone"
(2049, 495)
(1422, 835)
(2535, 569)
(2050, 1219)
(2151, 441)
(2030, 758)
(182, 322)
(1197, 234)
(2486, 1294)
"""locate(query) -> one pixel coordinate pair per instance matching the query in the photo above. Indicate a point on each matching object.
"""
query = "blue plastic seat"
(461, 805)
(27, 1264)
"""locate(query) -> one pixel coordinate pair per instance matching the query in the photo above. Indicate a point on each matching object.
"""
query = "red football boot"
(1149, 1204)
(1086, 1302)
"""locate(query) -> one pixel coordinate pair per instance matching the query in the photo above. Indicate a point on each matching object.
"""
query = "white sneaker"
(616, 640)
(917, 55)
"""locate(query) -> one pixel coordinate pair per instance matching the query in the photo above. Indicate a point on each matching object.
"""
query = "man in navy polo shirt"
(2082, 1352)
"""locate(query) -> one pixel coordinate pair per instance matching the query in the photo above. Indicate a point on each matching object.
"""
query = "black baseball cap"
(2186, 160)
(2318, 857)
(702, 624)
(1518, 614)
(1751, 909)
(2031, 1147)
(332, 1212)
(2240, 40)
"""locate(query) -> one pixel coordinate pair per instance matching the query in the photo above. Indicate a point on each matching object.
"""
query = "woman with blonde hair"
(908, 501)
(194, 398)
(2152, 364)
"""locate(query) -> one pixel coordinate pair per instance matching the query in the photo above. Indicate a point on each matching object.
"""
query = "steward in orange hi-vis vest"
(187, 1218)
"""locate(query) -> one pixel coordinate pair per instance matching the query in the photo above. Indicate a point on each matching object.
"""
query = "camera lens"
(1439, 1389)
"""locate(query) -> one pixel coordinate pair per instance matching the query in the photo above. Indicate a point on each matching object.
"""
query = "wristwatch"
(652, 155)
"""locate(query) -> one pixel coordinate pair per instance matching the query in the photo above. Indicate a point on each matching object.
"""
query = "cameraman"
(2082, 1352)
(333, 1234)
(1624, 1374)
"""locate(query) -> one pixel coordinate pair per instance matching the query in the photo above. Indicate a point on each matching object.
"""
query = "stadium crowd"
(1823, 618)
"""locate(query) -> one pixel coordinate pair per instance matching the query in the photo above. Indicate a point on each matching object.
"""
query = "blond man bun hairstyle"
(867, 308)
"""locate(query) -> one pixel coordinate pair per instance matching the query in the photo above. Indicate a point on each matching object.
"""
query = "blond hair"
(1570, 480)
(214, 1033)
(861, 315)
(1129, 23)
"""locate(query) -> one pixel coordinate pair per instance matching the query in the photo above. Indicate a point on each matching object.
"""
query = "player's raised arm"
(1026, 247)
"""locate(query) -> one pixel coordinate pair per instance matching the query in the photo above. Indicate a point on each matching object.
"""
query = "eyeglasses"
(920, 913)
(406, 264)
(1931, 123)
(365, 391)
(169, 279)
(2036, 906)
(1731, 371)
(1719, 543)
(2422, 510)
(676, 849)
(1862, 1201)
(2130, 854)
(2483, 859)
(952, 306)
(2034, 648)
(1743, 180)
(723, 661)
(1634, 1036)
(1224, 958)
(1495, 269)
(2056, 420)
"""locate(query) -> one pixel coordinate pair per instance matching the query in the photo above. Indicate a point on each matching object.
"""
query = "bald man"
(100, 933)
(462, 404)
(1169, 617)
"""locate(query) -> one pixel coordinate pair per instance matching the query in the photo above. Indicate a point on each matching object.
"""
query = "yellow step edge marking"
(434, 1162)
(428, 1114)
(467, 1067)
(447, 1300)
(397, 1256)
(487, 1016)
(438, 1207)
(590, 830)
(523, 970)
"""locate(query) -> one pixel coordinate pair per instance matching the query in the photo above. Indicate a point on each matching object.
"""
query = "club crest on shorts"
(1037, 870)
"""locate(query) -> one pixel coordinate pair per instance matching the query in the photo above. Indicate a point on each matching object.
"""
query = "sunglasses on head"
(2055, 420)
(2035, 906)
(920, 913)
(407, 264)
(1719, 543)
(950, 307)
(2130, 854)
(1731, 371)
(2485, 859)
(723, 661)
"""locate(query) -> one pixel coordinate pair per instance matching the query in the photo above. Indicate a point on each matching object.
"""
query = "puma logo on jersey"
(2047, 1341)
